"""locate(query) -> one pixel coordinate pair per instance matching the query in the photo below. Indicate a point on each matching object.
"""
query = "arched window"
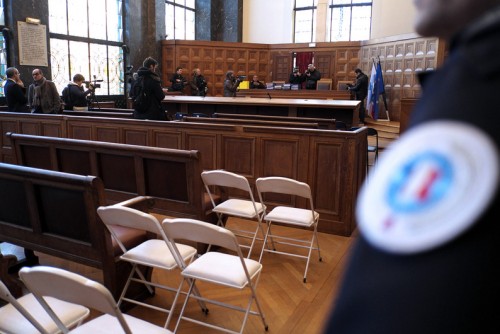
(179, 19)
(86, 37)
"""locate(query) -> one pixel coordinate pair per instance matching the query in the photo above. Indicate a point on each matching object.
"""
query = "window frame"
(313, 8)
(352, 5)
(171, 35)
(95, 41)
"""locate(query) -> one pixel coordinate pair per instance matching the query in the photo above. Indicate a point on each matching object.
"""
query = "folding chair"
(45, 281)
(290, 216)
(243, 208)
(373, 148)
(232, 271)
(153, 253)
(27, 316)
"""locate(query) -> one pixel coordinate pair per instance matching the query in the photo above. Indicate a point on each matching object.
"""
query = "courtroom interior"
(60, 173)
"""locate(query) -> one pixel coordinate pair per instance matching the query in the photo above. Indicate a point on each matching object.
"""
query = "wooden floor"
(289, 305)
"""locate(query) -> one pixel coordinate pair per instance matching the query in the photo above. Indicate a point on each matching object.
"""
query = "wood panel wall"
(402, 57)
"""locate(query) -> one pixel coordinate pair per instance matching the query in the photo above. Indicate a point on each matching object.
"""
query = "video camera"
(242, 77)
(295, 70)
(94, 84)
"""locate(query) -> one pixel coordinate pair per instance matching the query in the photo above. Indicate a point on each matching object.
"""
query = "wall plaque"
(32, 44)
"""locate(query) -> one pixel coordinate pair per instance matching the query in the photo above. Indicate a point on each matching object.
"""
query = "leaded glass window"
(86, 38)
(3, 48)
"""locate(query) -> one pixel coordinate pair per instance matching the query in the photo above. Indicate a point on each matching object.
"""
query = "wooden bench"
(323, 123)
(55, 213)
(258, 122)
(171, 176)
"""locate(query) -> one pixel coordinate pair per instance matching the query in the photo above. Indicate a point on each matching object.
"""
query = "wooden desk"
(296, 94)
(341, 110)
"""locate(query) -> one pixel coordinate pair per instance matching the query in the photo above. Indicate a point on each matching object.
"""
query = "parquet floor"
(289, 305)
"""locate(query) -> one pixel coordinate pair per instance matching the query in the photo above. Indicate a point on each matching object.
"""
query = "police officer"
(428, 256)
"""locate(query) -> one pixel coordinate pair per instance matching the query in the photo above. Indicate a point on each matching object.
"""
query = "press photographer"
(198, 83)
(74, 95)
(231, 84)
(296, 77)
(178, 81)
(311, 76)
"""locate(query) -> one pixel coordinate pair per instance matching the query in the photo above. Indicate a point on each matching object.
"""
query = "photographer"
(360, 89)
(198, 83)
(231, 84)
(311, 76)
(74, 95)
(296, 77)
(178, 81)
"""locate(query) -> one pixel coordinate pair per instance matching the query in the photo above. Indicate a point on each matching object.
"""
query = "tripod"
(91, 98)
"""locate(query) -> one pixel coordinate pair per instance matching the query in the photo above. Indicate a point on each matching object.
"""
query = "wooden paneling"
(332, 162)
(401, 59)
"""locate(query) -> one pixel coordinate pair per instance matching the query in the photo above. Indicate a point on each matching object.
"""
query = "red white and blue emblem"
(429, 188)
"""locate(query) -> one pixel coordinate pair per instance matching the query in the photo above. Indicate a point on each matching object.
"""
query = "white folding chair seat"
(153, 253)
(232, 271)
(26, 315)
(243, 208)
(290, 216)
(64, 285)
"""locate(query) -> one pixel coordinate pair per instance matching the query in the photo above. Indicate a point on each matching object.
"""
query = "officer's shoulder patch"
(430, 186)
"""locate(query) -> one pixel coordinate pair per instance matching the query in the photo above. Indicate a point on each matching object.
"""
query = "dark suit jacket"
(15, 96)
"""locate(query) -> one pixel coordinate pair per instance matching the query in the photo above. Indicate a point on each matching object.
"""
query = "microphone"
(269, 95)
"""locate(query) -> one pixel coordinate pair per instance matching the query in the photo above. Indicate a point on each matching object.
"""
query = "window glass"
(349, 20)
(180, 18)
(77, 18)
(91, 43)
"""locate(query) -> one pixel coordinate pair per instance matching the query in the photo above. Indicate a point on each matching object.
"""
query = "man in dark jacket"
(15, 91)
(427, 258)
(360, 89)
(311, 77)
(231, 84)
(150, 83)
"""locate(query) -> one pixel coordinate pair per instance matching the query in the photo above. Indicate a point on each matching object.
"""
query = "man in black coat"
(311, 77)
(427, 258)
(360, 89)
(150, 83)
(15, 91)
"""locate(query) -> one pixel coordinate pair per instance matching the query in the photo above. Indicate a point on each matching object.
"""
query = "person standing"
(256, 84)
(296, 78)
(42, 95)
(15, 91)
(178, 81)
(360, 89)
(311, 77)
(231, 84)
(149, 86)
(198, 83)
(75, 96)
(427, 257)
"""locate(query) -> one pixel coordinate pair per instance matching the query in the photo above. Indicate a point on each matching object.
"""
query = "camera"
(242, 77)
(296, 70)
(94, 84)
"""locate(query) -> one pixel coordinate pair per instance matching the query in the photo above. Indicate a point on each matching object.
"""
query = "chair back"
(70, 287)
(199, 231)
(225, 179)
(283, 185)
(6, 296)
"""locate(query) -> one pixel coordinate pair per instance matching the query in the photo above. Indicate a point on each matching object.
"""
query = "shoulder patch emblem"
(429, 188)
